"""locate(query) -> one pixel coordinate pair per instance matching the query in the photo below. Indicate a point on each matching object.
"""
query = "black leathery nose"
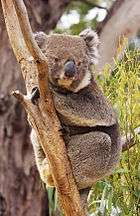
(70, 68)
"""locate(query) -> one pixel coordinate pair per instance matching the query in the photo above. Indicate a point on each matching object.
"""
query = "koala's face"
(70, 58)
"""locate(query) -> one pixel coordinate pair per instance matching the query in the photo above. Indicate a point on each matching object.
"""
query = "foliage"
(82, 8)
(52, 199)
(120, 193)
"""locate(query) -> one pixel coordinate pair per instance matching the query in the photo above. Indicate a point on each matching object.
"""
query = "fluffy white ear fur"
(84, 82)
(92, 42)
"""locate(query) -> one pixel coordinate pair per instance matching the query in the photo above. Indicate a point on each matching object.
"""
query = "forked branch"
(42, 116)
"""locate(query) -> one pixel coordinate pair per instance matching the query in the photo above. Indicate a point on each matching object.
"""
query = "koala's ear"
(92, 42)
(40, 38)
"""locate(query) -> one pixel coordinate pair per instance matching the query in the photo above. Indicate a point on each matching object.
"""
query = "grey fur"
(92, 41)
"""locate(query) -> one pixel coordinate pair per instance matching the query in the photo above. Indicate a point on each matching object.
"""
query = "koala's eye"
(56, 59)
(79, 63)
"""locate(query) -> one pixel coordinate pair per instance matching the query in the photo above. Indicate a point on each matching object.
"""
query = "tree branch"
(95, 5)
(111, 12)
(39, 57)
(129, 141)
(42, 117)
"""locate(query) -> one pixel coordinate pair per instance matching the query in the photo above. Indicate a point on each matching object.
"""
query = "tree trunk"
(123, 20)
(21, 192)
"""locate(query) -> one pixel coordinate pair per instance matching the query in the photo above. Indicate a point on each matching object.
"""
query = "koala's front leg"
(40, 158)
(41, 162)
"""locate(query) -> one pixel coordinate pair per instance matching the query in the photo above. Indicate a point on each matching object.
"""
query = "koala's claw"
(35, 95)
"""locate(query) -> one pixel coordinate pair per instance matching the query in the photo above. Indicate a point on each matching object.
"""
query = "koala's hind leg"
(90, 155)
(41, 162)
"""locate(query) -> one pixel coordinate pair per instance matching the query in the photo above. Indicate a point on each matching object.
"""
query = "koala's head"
(70, 58)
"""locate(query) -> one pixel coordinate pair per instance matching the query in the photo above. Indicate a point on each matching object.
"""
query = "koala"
(89, 124)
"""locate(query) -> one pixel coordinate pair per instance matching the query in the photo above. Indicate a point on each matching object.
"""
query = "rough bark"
(21, 192)
(122, 21)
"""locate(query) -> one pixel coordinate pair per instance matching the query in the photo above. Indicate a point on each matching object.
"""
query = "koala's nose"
(70, 68)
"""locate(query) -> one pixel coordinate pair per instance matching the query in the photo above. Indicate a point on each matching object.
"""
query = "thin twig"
(93, 5)
(127, 143)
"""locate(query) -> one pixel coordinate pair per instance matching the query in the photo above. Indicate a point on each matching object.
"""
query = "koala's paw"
(45, 174)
